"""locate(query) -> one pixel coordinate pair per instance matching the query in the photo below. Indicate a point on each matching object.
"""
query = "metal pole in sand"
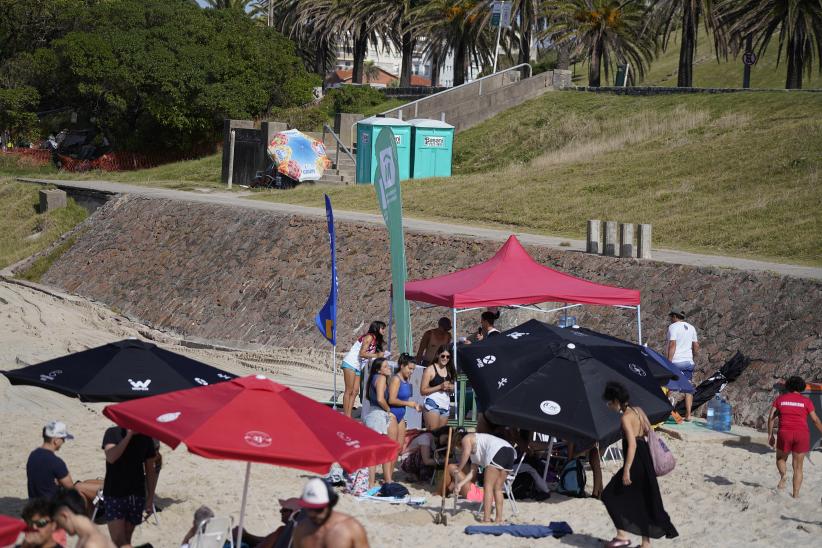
(242, 506)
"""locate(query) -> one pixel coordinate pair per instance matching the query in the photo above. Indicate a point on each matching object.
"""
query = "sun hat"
(315, 494)
(289, 504)
(57, 429)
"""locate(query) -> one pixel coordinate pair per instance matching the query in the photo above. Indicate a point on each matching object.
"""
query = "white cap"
(57, 429)
(315, 494)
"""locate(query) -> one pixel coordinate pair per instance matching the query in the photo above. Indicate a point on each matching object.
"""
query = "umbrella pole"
(456, 369)
(242, 506)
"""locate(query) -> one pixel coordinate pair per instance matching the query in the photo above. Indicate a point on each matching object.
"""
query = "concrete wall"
(473, 103)
(228, 274)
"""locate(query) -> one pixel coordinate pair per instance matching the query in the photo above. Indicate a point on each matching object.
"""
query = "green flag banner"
(389, 196)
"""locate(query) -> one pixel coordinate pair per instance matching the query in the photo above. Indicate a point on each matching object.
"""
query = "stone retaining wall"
(232, 275)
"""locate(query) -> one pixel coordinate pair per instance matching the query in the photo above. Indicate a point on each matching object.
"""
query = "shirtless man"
(323, 527)
(69, 511)
(432, 340)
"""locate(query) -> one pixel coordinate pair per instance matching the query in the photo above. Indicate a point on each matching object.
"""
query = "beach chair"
(552, 452)
(613, 453)
(213, 533)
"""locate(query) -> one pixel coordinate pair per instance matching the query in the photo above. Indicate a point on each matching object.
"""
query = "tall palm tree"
(798, 24)
(310, 24)
(685, 15)
(607, 32)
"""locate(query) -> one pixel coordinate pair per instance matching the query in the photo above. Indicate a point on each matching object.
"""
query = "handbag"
(664, 461)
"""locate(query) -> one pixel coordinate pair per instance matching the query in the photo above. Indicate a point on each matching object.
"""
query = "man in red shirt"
(794, 438)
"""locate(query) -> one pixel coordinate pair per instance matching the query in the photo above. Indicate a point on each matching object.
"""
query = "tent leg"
(639, 325)
(334, 369)
(460, 418)
(242, 505)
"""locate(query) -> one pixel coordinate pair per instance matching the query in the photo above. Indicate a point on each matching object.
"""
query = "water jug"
(713, 412)
(725, 417)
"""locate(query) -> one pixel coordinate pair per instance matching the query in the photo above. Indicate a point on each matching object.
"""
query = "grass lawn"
(24, 231)
(735, 174)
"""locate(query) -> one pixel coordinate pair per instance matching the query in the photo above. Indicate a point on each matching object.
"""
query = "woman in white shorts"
(379, 417)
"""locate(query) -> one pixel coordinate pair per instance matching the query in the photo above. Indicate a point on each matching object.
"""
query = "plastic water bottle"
(713, 411)
(725, 416)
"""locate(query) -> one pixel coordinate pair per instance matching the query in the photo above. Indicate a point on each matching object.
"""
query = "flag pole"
(334, 368)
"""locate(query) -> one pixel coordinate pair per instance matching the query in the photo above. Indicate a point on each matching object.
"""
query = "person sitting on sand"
(418, 458)
(461, 480)
(40, 527)
(324, 527)
(432, 340)
(497, 457)
(45, 471)
(794, 437)
(288, 509)
(632, 496)
(69, 511)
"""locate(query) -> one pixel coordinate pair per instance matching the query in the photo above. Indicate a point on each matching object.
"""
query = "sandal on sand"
(618, 543)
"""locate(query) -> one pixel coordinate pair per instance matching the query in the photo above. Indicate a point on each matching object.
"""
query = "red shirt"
(793, 410)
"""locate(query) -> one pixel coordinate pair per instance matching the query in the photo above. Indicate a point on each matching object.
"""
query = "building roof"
(384, 78)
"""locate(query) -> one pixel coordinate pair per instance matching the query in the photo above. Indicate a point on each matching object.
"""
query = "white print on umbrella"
(579, 333)
(198, 380)
(350, 442)
(550, 407)
(51, 375)
(168, 417)
(223, 376)
(139, 386)
(637, 370)
(502, 382)
(487, 360)
(516, 335)
(255, 438)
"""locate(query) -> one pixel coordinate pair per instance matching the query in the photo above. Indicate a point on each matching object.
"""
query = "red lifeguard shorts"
(793, 441)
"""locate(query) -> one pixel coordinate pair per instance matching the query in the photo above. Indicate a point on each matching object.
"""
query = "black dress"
(637, 508)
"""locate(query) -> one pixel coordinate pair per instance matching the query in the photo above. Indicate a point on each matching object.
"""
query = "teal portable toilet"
(433, 147)
(367, 132)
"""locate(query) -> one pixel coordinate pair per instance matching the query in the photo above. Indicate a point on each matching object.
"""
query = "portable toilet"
(433, 147)
(367, 132)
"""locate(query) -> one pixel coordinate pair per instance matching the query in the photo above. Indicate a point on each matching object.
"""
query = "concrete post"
(343, 126)
(52, 198)
(593, 236)
(610, 247)
(626, 240)
(267, 132)
(644, 242)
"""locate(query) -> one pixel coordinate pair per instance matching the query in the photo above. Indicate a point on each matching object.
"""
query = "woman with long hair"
(794, 437)
(400, 393)
(632, 496)
(437, 385)
(379, 417)
(367, 347)
(496, 456)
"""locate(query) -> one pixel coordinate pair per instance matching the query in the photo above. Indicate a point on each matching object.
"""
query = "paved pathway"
(240, 199)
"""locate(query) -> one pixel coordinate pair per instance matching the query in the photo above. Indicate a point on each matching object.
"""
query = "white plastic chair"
(213, 533)
(613, 453)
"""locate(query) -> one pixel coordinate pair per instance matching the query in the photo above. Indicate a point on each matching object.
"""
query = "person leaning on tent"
(794, 437)
(682, 350)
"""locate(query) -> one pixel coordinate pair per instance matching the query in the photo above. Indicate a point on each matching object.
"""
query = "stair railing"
(327, 129)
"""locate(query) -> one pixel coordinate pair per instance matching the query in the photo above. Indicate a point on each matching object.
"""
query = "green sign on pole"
(389, 196)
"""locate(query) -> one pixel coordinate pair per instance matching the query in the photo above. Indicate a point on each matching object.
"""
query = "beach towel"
(413, 501)
(554, 529)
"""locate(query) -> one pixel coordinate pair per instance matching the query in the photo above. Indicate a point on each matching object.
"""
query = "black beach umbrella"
(563, 397)
(118, 371)
(522, 350)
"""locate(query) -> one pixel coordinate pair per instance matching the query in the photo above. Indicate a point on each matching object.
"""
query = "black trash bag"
(713, 385)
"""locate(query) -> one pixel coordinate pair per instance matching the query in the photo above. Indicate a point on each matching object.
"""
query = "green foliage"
(309, 118)
(354, 98)
(17, 114)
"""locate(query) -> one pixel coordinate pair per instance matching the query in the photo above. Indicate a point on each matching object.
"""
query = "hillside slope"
(730, 174)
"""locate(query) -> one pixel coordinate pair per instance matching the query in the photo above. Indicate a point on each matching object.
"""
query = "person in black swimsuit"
(437, 385)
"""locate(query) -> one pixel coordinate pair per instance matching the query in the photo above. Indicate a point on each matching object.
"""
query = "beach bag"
(356, 483)
(395, 490)
(664, 460)
(572, 479)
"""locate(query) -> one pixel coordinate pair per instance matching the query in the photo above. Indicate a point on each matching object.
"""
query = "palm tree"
(606, 31)
(685, 15)
(310, 25)
(797, 22)
(371, 71)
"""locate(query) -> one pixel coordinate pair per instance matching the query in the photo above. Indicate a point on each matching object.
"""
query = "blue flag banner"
(326, 319)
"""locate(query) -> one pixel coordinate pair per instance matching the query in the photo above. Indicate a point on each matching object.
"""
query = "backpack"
(572, 479)
(664, 461)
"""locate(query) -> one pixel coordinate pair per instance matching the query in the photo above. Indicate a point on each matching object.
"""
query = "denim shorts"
(431, 405)
(377, 420)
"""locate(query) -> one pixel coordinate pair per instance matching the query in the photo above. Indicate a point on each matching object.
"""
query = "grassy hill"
(735, 174)
(725, 74)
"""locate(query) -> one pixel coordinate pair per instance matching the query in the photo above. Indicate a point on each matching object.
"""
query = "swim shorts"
(504, 459)
(127, 508)
(356, 370)
(793, 441)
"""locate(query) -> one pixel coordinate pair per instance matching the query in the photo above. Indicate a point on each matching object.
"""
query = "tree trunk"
(564, 57)
(526, 20)
(360, 51)
(319, 60)
(435, 69)
(795, 63)
(687, 46)
(460, 64)
(408, 43)
(595, 65)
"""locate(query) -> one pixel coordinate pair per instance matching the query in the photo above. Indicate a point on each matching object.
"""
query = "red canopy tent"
(513, 278)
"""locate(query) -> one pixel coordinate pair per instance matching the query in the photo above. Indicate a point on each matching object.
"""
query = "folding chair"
(613, 453)
(553, 445)
(213, 533)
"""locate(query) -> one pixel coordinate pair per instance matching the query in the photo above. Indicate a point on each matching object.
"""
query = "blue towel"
(554, 529)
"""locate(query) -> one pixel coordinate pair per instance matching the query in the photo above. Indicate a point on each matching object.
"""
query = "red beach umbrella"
(255, 419)
(10, 529)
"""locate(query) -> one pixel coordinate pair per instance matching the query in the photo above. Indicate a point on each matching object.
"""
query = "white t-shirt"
(486, 447)
(684, 334)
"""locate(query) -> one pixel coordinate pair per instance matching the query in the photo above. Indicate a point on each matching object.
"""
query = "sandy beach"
(719, 495)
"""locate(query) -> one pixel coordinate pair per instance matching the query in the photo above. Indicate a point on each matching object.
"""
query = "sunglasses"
(39, 523)
(445, 355)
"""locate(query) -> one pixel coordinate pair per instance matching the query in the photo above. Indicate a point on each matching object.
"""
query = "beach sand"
(718, 495)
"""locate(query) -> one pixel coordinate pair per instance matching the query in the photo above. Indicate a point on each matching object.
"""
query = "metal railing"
(339, 145)
(479, 81)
